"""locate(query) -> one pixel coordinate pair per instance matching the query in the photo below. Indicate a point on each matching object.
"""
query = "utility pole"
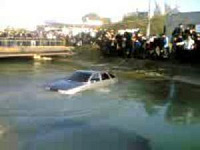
(149, 21)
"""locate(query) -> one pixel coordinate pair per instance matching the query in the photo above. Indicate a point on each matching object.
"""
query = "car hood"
(64, 84)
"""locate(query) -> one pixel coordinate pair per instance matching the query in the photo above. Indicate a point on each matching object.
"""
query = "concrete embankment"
(25, 49)
(30, 51)
(187, 79)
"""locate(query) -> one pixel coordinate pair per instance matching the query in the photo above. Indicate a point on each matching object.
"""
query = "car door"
(106, 79)
(95, 80)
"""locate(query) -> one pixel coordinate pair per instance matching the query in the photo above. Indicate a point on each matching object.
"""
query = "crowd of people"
(82, 39)
(15, 34)
(184, 44)
(10, 37)
(134, 45)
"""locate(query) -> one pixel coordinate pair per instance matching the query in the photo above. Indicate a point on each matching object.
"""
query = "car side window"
(105, 76)
(95, 78)
(111, 75)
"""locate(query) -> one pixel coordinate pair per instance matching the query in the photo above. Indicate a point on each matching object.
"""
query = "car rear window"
(80, 77)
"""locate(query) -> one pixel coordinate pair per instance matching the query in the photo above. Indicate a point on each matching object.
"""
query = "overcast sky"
(29, 13)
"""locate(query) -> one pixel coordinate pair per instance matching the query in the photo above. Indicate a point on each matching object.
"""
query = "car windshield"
(80, 77)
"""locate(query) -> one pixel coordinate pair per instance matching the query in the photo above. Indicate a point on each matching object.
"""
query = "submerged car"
(82, 80)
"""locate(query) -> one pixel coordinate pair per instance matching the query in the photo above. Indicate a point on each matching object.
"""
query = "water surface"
(134, 114)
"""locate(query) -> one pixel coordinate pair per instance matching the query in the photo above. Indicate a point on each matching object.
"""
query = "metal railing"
(31, 42)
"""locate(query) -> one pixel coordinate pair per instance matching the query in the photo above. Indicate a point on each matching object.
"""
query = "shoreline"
(90, 57)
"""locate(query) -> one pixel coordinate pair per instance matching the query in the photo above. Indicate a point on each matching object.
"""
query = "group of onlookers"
(15, 34)
(184, 44)
(21, 37)
(134, 45)
(81, 39)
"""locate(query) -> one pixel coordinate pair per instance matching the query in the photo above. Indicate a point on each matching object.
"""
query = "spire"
(157, 10)
(159, 7)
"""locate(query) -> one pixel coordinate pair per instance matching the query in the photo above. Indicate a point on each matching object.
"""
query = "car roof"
(91, 71)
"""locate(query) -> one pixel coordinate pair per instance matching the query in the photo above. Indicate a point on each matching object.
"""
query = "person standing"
(166, 45)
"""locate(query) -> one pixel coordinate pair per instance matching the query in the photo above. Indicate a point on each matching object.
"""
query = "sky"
(29, 13)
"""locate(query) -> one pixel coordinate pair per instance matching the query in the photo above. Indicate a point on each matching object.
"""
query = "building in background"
(186, 18)
(95, 20)
(140, 14)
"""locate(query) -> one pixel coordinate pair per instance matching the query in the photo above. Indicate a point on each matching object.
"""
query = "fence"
(31, 42)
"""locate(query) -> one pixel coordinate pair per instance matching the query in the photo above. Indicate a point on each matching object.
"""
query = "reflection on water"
(136, 113)
(184, 105)
(68, 134)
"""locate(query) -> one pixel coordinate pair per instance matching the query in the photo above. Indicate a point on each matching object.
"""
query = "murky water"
(134, 114)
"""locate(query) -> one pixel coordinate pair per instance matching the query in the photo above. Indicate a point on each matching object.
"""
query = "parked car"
(82, 80)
